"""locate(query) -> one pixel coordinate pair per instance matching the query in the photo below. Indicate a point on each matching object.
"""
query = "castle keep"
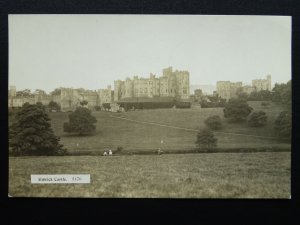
(171, 84)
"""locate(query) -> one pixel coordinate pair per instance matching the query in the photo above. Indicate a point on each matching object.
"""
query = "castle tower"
(12, 91)
(167, 71)
(117, 84)
(269, 87)
(119, 90)
(128, 88)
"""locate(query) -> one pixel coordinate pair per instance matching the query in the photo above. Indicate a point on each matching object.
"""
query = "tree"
(283, 125)
(40, 105)
(24, 93)
(57, 91)
(214, 122)
(97, 108)
(81, 121)
(206, 140)
(282, 93)
(31, 133)
(106, 106)
(54, 106)
(39, 92)
(83, 102)
(258, 119)
(236, 110)
(262, 95)
(242, 95)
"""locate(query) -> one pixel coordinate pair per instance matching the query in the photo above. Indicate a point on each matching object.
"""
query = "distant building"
(198, 94)
(12, 91)
(262, 84)
(227, 89)
(207, 89)
(171, 84)
(68, 98)
(248, 89)
(105, 95)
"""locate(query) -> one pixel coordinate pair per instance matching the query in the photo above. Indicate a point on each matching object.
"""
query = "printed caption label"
(60, 179)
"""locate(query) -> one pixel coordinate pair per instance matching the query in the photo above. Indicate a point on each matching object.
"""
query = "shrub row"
(154, 105)
(206, 104)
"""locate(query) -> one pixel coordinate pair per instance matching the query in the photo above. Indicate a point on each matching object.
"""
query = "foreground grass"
(114, 132)
(219, 175)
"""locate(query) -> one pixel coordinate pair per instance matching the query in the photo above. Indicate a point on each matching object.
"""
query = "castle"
(262, 84)
(171, 84)
(227, 89)
(67, 98)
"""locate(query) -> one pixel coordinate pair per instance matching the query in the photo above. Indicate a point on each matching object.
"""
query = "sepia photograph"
(149, 106)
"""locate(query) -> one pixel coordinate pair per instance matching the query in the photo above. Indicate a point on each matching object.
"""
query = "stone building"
(248, 89)
(69, 99)
(198, 94)
(15, 102)
(262, 84)
(105, 95)
(12, 91)
(171, 84)
(227, 89)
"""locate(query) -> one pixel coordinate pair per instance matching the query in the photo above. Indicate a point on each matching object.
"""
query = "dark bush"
(206, 140)
(154, 105)
(53, 106)
(237, 110)
(97, 108)
(214, 122)
(258, 119)
(219, 104)
(283, 125)
(80, 121)
(106, 106)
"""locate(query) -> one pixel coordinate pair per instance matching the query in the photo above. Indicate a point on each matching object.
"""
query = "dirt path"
(188, 129)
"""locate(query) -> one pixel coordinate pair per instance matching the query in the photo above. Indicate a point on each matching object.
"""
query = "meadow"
(205, 175)
(201, 175)
(141, 130)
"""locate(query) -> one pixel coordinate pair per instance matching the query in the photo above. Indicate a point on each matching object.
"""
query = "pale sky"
(91, 51)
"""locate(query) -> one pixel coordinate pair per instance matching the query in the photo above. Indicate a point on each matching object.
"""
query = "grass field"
(207, 175)
(113, 132)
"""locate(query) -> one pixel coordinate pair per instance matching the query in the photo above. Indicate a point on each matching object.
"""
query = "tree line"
(30, 131)
(237, 110)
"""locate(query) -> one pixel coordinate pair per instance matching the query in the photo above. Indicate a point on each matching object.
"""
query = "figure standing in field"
(159, 151)
(110, 152)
